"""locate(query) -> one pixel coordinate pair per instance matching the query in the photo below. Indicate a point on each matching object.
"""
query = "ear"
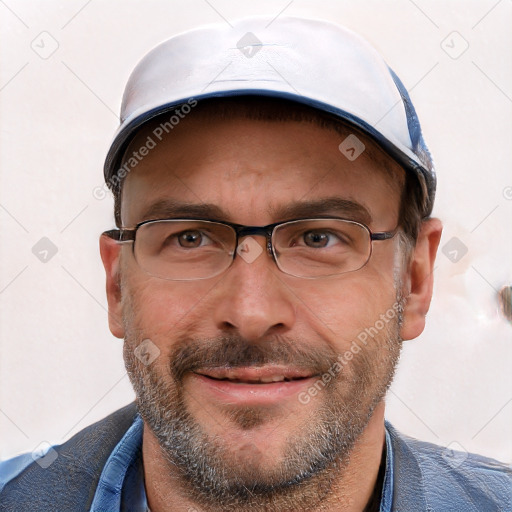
(110, 252)
(419, 281)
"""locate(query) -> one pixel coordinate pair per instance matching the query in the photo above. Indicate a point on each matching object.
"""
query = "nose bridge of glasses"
(265, 231)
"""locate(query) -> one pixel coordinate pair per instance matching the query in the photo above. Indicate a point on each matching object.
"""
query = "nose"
(252, 298)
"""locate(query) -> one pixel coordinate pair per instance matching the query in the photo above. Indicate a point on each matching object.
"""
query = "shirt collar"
(387, 488)
(121, 482)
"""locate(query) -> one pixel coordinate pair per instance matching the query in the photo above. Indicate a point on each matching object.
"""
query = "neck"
(349, 492)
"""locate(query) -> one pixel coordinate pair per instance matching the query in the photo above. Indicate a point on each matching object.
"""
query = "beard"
(214, 475)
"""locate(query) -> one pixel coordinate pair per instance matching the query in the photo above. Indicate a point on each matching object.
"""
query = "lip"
(255, 374)
(243, 388)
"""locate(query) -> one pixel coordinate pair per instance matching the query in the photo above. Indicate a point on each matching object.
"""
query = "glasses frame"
(126, 235)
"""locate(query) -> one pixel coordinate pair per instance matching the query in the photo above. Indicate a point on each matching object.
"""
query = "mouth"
(255, 375)
(251, 386)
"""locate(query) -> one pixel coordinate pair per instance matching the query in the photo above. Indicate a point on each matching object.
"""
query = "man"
(274, 248)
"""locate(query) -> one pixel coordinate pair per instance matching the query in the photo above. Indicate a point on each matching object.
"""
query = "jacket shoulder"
(67, 479)
(450, 478)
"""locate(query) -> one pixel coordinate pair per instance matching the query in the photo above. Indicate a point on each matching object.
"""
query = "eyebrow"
(325, 206)
(167, 208)
(335, 206)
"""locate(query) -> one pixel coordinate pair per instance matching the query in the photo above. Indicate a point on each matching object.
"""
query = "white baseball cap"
(311, 62)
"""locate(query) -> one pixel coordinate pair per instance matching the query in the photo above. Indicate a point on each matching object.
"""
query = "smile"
(250, 385)
(256, 375)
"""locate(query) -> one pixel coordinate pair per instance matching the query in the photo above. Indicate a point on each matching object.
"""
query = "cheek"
(164, 311)
(340, 309)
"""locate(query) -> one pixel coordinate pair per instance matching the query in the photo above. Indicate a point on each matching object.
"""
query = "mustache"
(235, 351)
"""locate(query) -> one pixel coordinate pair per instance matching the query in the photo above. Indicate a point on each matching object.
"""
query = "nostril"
(227, 326)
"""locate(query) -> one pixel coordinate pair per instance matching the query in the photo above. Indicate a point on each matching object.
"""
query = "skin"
(252, 169)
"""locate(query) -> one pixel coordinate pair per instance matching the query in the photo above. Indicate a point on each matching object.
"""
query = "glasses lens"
(321, 247)
(184, 250)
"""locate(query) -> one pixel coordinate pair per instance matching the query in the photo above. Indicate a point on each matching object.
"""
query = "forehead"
(259, 160)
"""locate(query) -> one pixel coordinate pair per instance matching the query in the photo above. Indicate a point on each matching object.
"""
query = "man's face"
(228, 434)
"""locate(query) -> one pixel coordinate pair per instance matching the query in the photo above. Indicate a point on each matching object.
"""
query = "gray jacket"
(425, 479)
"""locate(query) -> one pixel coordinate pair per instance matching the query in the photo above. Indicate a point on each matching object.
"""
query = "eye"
(320, 239)
(192, 239)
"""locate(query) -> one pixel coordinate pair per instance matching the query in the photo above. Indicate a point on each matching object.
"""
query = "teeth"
(266, 380)
(275, 378)
(255, 380)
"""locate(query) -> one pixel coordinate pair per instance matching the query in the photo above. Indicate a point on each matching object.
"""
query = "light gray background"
(60, 367)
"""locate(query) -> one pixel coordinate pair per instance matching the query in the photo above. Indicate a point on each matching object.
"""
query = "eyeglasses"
(192, 249)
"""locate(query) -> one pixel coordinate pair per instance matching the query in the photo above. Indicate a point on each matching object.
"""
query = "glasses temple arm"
(121, 235)
(384, 235)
